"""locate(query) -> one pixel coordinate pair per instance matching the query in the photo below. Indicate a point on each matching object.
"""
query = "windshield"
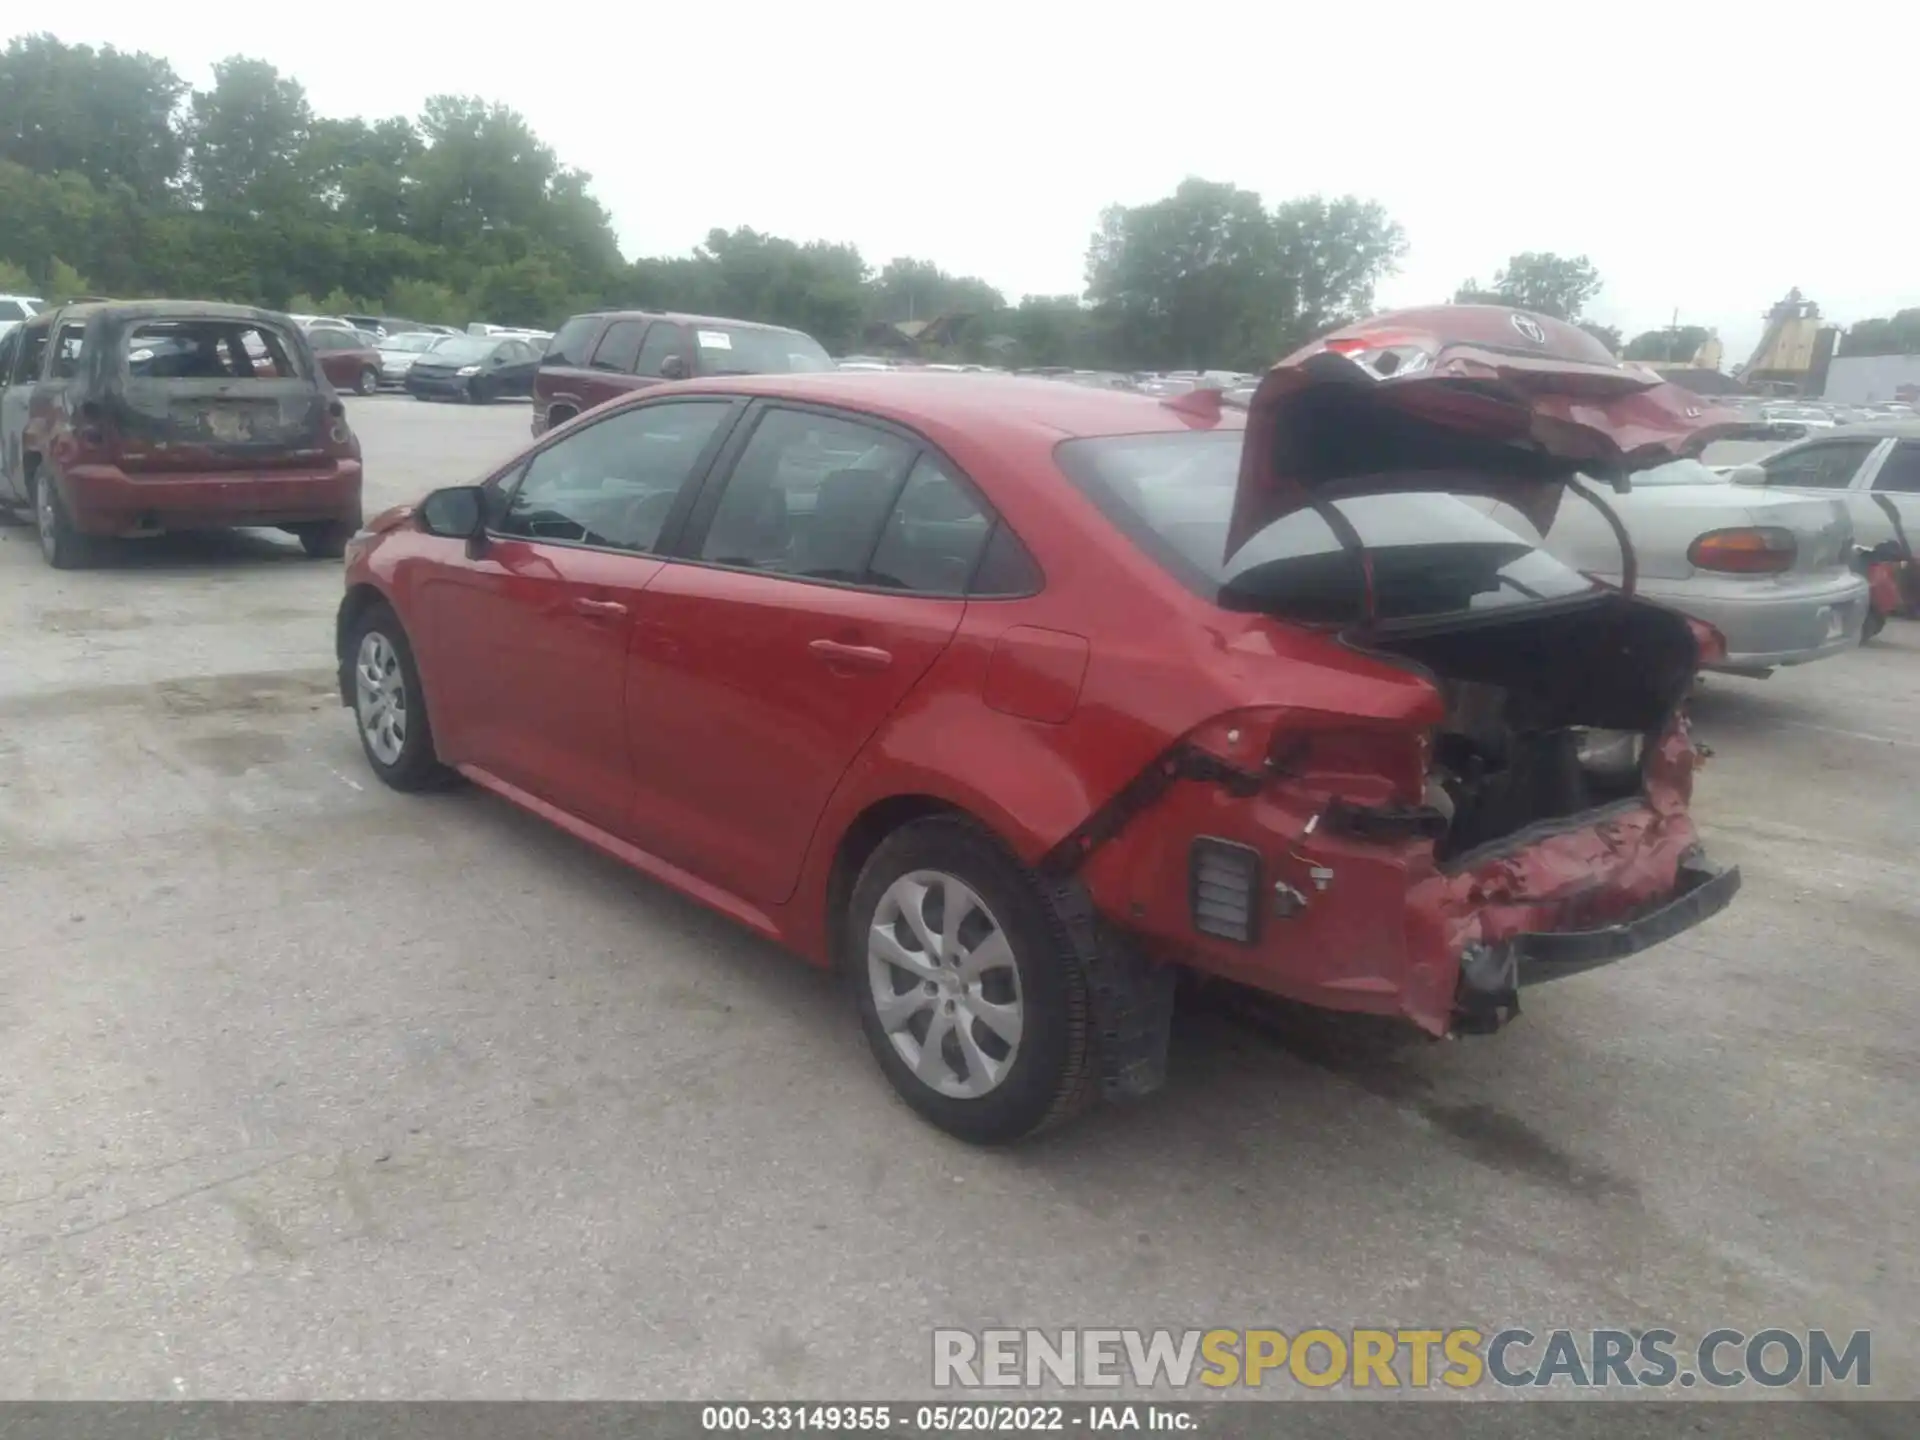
(736, 350)
(414, 341)
(464, 349)
(1432, 554)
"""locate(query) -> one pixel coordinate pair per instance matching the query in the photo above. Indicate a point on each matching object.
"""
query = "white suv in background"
(15, 308)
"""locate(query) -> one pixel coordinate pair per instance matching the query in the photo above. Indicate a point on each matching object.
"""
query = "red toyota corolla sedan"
(1011, 697)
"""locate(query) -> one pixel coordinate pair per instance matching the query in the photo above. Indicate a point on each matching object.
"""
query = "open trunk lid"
(1467, 399)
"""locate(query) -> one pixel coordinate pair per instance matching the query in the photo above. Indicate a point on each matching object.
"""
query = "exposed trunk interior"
(1549, 715)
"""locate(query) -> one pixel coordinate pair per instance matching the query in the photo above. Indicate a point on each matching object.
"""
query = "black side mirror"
(458, 512)
(673, 368)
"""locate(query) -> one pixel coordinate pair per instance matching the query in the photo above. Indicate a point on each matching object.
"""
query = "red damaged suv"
(1010, 697)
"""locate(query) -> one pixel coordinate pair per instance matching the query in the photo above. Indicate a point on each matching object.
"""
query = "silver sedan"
(1772, 572)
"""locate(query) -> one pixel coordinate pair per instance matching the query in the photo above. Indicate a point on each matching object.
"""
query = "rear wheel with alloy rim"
(971, 999)
(389, 710)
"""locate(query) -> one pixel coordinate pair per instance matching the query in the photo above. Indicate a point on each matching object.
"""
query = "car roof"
(162, 310)
(977, 402)
(1877, 430)
(685, 319)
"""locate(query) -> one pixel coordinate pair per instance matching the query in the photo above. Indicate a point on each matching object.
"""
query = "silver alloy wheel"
(945, 985)
(380, 697)
(46, 518)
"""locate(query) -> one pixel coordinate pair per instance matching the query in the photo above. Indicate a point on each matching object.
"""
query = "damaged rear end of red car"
(1454, 767)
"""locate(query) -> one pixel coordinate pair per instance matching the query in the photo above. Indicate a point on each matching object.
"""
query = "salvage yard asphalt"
(312, 1089)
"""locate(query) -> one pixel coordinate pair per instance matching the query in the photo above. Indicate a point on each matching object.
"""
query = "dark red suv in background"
(593, 358)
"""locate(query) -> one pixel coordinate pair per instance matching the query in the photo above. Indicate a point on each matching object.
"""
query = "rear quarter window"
(571, 341)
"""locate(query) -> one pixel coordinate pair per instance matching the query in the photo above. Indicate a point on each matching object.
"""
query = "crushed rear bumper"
(1491, 976)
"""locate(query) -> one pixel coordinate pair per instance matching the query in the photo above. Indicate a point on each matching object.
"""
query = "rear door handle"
(598, 607)
(854, 657)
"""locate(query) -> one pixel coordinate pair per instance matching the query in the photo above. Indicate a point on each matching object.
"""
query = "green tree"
(1607, 335)
(246, 139)
(1333, 252)
(1545, 283)
(1672, 344)
(1899, 335)
(816, 287)
(104, 114)
(363, 173)
(909, 289)
(427, 301)
(1207, 277)
(14, 279)
(63, 282)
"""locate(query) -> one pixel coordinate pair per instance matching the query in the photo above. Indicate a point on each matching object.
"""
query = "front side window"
(1431, 554)
(33, 349)
(808, 497)
(1900, 471)
(614, 483)
(1830, 465)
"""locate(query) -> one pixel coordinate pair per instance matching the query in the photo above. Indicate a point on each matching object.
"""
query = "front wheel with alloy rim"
(389, 710)
(972, 1000)
(63, 547)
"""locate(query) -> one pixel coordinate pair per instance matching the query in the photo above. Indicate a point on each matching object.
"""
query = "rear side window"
(663, 341)
(620, 347)
(1900, 472)
(211, 350)
(808, 497)
(1431, 554)
(9, 347)
(12, 310)
(570, 342)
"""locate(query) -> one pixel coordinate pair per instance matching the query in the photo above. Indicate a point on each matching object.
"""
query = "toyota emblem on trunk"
(1530, 328)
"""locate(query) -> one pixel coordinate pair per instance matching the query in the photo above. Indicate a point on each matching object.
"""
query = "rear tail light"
(1223, 889)
(1746, 550)
(1366, 759)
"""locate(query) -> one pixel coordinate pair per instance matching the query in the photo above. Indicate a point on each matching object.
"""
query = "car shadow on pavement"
(190, 551)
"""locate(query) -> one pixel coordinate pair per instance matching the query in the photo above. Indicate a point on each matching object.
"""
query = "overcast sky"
(1705, 158)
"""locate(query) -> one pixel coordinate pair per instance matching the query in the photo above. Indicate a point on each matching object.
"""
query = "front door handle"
(598, 607)
(853, 657)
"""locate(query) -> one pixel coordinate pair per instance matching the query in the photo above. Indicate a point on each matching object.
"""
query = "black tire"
(327, 541)
(369, 381)
(477, 392)
(417, 765)
(1054, 1070)
(1872, 625)
(61, 546)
